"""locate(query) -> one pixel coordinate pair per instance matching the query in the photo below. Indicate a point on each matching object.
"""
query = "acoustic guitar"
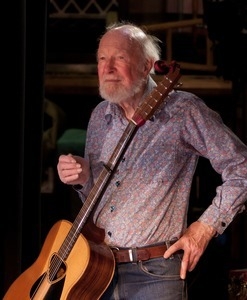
(74, 262)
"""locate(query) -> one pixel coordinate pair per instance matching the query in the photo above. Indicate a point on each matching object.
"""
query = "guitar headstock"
(147, 108)
(162, 67)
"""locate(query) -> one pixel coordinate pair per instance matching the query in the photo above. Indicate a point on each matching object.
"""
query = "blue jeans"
(154, 279)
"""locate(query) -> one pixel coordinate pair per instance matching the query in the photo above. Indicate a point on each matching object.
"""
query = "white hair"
(149, 44)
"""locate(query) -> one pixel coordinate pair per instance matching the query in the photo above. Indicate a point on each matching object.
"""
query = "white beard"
(117, 93)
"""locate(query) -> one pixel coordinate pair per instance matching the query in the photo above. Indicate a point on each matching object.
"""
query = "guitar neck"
(148, 107)
(97, 190)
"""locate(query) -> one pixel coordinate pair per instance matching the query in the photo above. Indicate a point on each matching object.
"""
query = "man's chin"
(111, 96)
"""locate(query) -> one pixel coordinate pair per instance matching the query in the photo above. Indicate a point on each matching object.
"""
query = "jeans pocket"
(161, 267)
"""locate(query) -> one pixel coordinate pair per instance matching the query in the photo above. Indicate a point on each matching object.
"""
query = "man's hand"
(194, 241)
(73, 169)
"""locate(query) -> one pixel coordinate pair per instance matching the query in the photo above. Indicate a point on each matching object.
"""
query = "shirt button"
(109, 233)
(112, 208)
(223, 224)
(117, 183)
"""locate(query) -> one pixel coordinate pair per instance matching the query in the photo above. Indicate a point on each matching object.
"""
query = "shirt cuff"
(77, 187)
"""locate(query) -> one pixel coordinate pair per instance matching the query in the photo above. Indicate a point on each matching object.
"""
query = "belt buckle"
(132, 255)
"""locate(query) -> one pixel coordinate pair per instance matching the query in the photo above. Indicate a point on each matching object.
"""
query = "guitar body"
(85, 274)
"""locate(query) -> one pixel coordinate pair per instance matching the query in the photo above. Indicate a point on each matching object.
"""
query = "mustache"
(111, 78)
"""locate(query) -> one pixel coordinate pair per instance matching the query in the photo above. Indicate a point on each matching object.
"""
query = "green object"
(72, 141)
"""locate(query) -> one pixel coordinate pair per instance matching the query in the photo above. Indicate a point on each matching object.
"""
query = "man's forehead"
(116, 40)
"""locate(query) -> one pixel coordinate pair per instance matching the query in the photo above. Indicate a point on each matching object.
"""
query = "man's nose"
(110, 63)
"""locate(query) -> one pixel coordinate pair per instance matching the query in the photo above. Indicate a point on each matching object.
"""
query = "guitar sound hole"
(57, 268)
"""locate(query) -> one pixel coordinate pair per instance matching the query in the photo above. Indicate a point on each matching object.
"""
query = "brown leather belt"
(127, 255)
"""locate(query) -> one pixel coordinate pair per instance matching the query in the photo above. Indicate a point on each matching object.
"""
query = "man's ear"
(148, 66)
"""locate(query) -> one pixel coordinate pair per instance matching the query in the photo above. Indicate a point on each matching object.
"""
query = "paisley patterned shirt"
(146, 200)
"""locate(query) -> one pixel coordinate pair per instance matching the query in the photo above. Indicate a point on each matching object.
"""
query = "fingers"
(68, 169)
(191, 254)
(184, 267)
(188, 264)
(172, 249)
(69, 176)
(185, 260)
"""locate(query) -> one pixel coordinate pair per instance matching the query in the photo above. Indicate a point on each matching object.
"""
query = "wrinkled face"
(121, 68)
